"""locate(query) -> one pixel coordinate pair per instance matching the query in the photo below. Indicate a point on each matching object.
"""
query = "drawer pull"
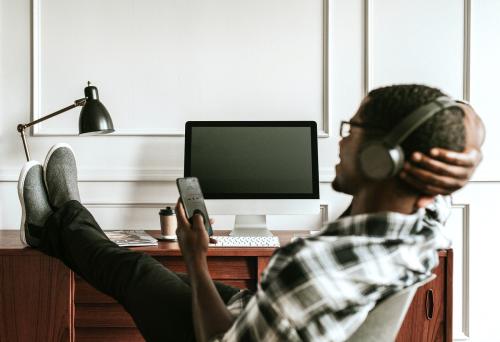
(429, 304)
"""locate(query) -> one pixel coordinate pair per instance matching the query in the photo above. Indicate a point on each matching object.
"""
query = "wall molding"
(326, 175)
(326, 112)
(36, 76)
(467, 50)
(367, 41)
(323, 208)
(324, 213)
(464, 333)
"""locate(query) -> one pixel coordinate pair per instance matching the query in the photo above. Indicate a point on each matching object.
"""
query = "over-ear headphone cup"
(378, 162)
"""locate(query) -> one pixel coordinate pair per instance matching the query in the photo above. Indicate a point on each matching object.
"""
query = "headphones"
(382, 159)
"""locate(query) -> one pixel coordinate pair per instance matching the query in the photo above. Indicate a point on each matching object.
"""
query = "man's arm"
(210, 315)
(441, 173)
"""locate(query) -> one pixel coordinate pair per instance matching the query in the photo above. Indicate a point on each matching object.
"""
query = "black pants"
(158, 299)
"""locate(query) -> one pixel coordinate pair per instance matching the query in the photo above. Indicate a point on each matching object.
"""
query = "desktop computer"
(254, 168)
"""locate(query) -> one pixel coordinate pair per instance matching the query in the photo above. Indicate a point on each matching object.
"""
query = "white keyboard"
(246, 241)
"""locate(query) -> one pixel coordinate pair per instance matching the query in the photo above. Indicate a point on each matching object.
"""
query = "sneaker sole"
(20, 193)
(51, 151)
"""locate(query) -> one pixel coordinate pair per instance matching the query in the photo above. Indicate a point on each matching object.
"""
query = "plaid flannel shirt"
(321, 288)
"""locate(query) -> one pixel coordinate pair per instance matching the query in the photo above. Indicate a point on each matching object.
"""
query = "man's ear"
(424, 201)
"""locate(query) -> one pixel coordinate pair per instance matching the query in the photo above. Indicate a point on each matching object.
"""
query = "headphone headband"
(382, 159)
(417, 118)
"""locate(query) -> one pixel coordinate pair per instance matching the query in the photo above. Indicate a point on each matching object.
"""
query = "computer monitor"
(254, 168)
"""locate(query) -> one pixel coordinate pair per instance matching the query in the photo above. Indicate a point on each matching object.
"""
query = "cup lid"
(166, 212)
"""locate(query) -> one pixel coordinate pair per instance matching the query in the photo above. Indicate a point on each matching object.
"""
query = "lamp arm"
(22, 127)
(79, 102)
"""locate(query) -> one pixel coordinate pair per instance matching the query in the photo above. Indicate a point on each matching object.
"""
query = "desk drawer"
(102, 316)
(417, 326)
(220, 267)
(87, 294)
(236, 271)
(99, 317)
(108, 335)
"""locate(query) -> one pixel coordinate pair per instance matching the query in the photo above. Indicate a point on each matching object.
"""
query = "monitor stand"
(250, 225)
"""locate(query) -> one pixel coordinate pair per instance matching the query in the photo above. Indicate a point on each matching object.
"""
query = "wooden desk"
(42, 300)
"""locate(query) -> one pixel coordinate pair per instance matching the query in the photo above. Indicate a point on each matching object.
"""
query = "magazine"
(131, 238)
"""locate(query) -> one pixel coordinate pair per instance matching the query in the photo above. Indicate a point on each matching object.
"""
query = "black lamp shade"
(94, 117)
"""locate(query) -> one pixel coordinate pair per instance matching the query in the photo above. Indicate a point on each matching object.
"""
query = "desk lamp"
(94, 118)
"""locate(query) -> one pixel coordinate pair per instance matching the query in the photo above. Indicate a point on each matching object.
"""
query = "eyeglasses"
(345, 128)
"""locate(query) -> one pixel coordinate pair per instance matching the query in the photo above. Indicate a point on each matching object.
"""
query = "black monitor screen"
(251, 160)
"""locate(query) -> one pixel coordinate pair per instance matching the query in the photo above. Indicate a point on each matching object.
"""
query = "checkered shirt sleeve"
(321, 288)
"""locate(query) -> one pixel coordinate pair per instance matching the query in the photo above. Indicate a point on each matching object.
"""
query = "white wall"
(452, 44)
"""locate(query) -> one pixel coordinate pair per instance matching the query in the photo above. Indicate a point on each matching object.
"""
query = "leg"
(158, 300)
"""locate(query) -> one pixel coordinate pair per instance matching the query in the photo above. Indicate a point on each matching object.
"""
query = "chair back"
(383, 322)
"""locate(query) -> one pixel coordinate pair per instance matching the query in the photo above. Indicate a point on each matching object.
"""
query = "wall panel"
(417, 42)
(485, 73)
(482, 240)
(161, 63)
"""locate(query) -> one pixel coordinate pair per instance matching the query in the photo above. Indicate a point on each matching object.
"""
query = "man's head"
(381, 111)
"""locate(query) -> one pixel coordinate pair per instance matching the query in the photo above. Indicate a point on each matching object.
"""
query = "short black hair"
(387, 106)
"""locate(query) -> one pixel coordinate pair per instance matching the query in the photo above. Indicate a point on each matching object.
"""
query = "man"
(315, 289)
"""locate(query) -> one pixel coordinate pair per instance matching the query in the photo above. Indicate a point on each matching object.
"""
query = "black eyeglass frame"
(343, 123)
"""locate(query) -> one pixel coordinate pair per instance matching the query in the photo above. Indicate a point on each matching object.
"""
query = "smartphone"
(193, 201)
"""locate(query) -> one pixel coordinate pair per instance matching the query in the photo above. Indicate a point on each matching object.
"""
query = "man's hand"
(210, 315)
(192, 238)
(442, 173)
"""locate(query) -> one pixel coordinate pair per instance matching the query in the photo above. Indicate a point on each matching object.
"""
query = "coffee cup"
(168, 222)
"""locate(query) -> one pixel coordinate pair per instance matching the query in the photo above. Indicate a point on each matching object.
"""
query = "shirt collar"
(391, 224)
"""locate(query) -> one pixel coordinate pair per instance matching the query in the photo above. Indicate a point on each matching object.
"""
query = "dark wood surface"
(35, 299)
(42, 300)
(108, 335)
(417, 327)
